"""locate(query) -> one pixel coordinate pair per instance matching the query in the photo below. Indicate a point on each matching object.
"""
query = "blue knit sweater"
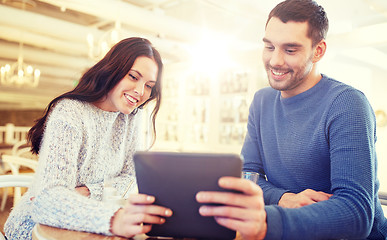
(322, 139)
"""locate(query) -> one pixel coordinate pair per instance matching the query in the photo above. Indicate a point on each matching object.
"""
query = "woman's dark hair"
(303, 11)
(95, 84)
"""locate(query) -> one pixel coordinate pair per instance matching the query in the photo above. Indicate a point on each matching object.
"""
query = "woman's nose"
(139, 88)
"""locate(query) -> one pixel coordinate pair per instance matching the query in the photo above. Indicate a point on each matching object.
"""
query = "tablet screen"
(174, 179)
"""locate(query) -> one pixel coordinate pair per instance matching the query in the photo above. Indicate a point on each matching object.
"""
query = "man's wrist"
(284, 197)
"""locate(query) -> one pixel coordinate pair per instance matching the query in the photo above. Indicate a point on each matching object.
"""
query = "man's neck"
(311, 80)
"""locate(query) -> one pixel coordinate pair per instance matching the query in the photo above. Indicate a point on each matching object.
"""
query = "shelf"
(203, 114)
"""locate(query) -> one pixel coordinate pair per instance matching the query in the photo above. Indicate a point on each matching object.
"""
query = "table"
(43, 232)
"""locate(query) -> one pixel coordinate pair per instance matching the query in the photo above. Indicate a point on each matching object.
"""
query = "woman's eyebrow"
(134, 70)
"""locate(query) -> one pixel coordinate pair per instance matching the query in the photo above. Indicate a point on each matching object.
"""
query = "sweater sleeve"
(252, 157)
(125, 182)
(56, 202)
(350, 129)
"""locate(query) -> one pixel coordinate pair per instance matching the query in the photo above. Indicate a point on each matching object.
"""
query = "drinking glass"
(252, 176)
(110, 194)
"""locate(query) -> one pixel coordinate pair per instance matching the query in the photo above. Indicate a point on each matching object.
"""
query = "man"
(311, 139)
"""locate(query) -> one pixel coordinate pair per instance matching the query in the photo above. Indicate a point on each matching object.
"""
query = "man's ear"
(319, 51)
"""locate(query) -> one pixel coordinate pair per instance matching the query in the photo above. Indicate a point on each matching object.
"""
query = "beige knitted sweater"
(82, 145)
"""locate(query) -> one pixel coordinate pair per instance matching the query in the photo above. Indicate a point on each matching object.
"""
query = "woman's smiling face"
(134, 89)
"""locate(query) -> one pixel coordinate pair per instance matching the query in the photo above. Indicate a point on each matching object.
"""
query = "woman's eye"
(132, 76)
(149, 86)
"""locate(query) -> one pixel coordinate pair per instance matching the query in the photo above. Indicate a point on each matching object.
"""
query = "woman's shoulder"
(69, 109)
(69, 103)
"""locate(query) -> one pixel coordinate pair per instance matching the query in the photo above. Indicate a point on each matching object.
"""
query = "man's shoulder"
(336, 85)
(344, 94)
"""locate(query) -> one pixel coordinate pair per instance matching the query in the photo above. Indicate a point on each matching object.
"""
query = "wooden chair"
(20, 148)
(15, 162)
(15, 180)
(7, 181)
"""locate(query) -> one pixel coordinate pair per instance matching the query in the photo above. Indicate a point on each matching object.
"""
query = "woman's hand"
(243, 212)
(138, 215)
(83, 191)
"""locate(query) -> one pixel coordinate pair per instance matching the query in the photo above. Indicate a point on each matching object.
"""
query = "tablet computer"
(174, 179)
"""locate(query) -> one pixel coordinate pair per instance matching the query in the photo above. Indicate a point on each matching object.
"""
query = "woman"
(89, 135)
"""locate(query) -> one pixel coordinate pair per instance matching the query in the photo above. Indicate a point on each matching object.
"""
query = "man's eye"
(271, 48)
(149, 86)
(290, 50)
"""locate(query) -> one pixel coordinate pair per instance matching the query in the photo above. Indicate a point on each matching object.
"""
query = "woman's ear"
(319, 51)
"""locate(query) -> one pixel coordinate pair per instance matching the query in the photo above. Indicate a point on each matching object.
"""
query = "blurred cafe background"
(212, 55)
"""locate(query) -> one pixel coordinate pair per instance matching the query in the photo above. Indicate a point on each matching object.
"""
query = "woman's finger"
(133, 230)
(140, 199)
(141, 218)
(148, 209)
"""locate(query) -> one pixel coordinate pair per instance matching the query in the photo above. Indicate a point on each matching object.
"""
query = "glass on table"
(110, 193)
(252, 176)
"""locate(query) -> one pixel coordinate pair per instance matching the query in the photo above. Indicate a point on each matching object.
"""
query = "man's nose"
(277, 58)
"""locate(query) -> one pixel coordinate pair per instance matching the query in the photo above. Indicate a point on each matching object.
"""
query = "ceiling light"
(19, 73)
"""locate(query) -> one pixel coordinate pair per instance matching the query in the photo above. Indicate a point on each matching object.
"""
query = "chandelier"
(19, 73)
(101, 47)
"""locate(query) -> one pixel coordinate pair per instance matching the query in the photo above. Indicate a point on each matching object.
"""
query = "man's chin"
(277, 85)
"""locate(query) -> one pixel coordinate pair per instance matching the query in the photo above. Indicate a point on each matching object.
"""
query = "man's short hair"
(303, 11)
